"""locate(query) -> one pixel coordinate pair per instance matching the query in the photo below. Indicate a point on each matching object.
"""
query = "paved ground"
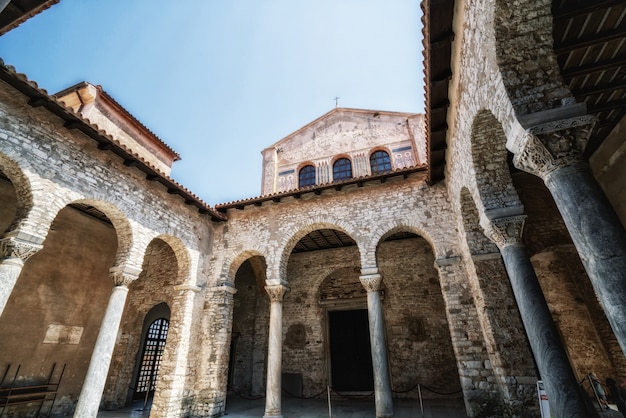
(318, 408)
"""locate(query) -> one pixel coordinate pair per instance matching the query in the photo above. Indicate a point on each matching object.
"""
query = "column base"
(273, 415)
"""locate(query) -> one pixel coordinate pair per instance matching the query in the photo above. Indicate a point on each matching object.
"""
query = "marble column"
(371, 280)
(595, 229)
(13, 254)
(93, 386)
(275, 351)
(564, 394)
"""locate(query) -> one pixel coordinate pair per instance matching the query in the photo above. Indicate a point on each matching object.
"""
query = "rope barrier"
(346, 396)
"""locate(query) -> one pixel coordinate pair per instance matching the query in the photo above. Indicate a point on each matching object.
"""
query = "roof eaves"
(317, 189)
(27, 15)
(40, 98)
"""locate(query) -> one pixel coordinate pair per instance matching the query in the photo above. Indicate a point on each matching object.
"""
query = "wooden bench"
(27, 394)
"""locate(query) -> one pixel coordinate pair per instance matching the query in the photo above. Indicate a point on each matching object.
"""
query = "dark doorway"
(350, 354)
(151, 359)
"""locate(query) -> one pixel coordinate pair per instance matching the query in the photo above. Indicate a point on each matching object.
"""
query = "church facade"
(466, 253)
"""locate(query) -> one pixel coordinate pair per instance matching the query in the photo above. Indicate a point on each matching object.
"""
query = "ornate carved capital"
(505, 231)
(371, 282)
(547, 147)
(123, 276)
(536, 159)
(12, 247)
(276, 292)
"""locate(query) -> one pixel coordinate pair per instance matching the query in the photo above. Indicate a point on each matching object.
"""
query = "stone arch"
(248, 322)
(233, 265)
(182, 257)
(128, 253)
(418, 335)
(477, 242)
(384, 231)
(36, 207)
(279, 270)
(23, 191)
(490, 163)
(525, 56)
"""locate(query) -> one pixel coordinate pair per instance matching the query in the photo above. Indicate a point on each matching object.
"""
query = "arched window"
(151, 358)
(342, 169)
(306, 177)
(380, 162)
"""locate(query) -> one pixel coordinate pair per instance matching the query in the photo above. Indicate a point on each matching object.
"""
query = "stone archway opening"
(154, 337)
(248, 350)
(8, 197)
(323, 277)
(421, 357)
(55, 310)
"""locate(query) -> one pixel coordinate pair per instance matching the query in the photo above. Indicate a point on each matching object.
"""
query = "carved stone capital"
(547, 147)
(371, 282)
(535, 158)
(12, 247)
(124, 276)
(276, 292)
(505, 231)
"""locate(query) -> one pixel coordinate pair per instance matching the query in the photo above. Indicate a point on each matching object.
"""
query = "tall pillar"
(596, 231)
(564, 393)
(371, 280)
(14, 252)
(93, 386)
(275, 350)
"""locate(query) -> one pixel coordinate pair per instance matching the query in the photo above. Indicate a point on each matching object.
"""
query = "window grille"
(152, 355)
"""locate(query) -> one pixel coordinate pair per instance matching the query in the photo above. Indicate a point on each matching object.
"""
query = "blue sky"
(220, 80)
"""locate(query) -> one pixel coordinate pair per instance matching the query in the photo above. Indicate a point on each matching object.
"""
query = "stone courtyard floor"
(318, 408)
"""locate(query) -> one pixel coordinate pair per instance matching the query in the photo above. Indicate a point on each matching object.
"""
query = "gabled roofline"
(40, 98)
(108, 99)
(337, 110)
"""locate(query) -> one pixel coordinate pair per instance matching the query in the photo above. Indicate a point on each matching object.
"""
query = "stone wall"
(66, 285)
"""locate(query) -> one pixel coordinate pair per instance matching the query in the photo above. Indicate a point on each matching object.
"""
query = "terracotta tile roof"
(19, 11)
(317, 189)
(39, 97)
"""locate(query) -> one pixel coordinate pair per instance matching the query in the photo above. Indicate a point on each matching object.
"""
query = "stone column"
(13, 254)
(371, 280)
(564, 393)
(275, 351)
(590, 219)
(93, 386)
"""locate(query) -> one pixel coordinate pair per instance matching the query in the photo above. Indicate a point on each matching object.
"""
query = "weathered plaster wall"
(55, 310)
(347, 133)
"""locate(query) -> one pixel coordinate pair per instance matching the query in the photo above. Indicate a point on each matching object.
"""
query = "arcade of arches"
(485, 250)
